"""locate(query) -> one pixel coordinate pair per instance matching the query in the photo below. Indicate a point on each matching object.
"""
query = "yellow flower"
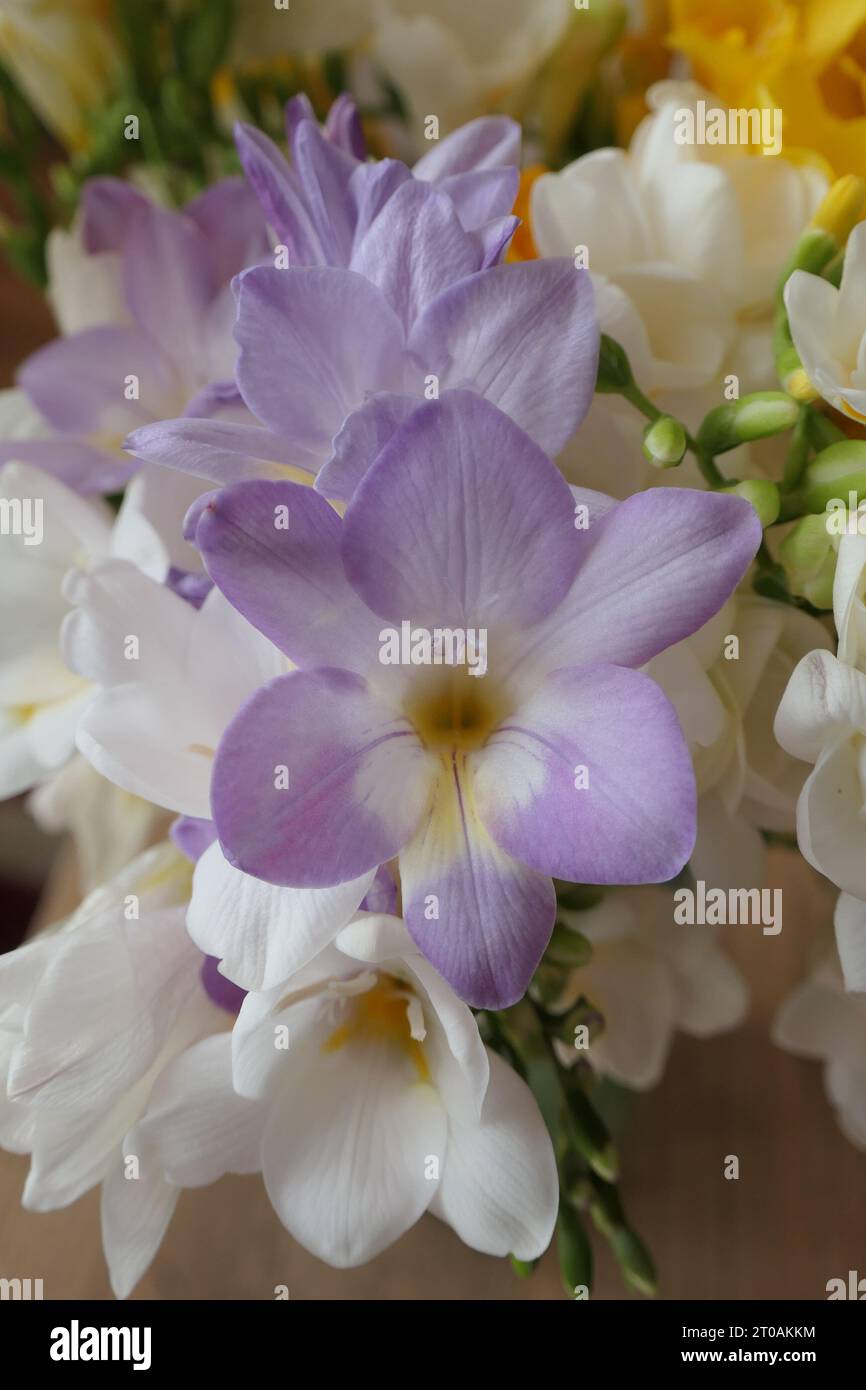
(64, 57)
(804, 57)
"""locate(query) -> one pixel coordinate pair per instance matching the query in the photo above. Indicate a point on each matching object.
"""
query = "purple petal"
(110, 208)
(415, 249)
(223, 992)
(278, 191)
(480, 197)
(324, 171)
(493, 238)
(78, 383)
(382, 896)
(343, 127)
(486, 143)
(192, 836)
(218, 397)
(461, 520)
(298, 108)
(526, 337)
(657, 567)
(191, 587)
(358, 781)
(81, 466)
(313, 344)
(481, 918)
(220, 450)
(616, 731)
(289, 583)
(229, 217)
(170, 282)
(361, 441)
(371, 188)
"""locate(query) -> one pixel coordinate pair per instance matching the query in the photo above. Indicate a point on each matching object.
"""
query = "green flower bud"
(586, 1131)
(567, 947)
(815, 249)
(808, 557)
(577, 897)
(614, 368)
(574, 1250)
(752, 417)
(833, 474)
(664, 442)
(763, 495)
(635, 1261)
(551, 988)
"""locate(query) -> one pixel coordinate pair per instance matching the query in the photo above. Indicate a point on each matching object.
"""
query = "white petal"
(103, 1009)
(850, 923)
(824, 700)
(499, 1190)
(817, 1021)
(831, 831)
(347, 1148)
(135, 1215)
(811, 304)
(633, 988)
(197, 1127)
(262, 933)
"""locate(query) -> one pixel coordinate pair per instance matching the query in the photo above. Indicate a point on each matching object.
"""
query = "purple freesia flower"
(333, 361)
(391, 296)
(175, 340)
(562, 759)
(323, 204)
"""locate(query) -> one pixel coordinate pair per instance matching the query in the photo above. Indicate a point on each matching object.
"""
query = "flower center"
(455, 711)
(390, 1013)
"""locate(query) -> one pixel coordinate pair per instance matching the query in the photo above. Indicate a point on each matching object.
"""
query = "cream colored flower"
(64, 57)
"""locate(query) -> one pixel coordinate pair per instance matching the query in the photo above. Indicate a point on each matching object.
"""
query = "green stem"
(798, 454)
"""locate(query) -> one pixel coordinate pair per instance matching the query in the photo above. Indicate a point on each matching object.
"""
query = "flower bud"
(755, 416)
(574, 1250)
(664, 442)
(832, 474)
(808, 557)
(841, 208)
(763, 495)
(798, 385)
(635, 1261)
(586, 1131)
(568, 947)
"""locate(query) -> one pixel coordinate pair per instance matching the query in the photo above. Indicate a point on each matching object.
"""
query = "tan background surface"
(795, 1218)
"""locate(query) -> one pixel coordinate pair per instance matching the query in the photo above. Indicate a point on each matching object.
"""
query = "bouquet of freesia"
(431, 561)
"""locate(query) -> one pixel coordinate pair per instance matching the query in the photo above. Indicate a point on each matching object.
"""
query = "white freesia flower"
(685, 245)
(90, 1012)
(152, 728)
(381, 1103)
(828, 326)
(488, 48)
(648, 977)
(85, 288)
(726, 693)
(41, 698)
(821, 1020)
(157, 717)
(822, 720)
(109, 827)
